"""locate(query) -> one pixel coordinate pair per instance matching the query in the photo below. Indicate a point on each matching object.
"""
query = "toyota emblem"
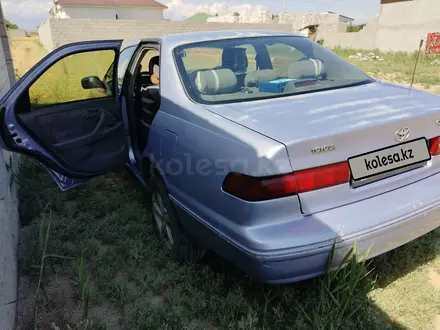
(402, 134)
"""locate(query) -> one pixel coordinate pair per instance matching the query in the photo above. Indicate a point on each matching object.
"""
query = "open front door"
(66, 114)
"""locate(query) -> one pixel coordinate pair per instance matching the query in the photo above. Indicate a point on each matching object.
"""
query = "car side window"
(202, 58)
(77, 77)
(124, 60)
(147, 58)
(251, 55)
(282, 56)
(108, 78)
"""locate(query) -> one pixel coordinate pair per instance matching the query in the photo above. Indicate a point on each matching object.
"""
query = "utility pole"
(285, 6)
(7, 75)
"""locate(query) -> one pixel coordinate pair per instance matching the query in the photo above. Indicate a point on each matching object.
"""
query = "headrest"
(154, 61)
(154, 70)
(255, 77)
(235, 59)
(311, 68)
(213, 82)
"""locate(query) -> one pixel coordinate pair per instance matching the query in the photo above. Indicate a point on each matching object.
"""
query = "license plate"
(389, 159)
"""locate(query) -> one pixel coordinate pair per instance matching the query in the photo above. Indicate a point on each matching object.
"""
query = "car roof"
(187, 38)
(174, 40)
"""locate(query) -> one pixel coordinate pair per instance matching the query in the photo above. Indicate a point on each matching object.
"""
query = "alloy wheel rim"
(162, 220)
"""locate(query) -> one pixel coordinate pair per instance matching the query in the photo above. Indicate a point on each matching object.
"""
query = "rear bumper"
(388, 221)
(314, 262)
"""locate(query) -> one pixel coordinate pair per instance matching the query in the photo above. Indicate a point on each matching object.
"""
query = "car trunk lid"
(329, 127)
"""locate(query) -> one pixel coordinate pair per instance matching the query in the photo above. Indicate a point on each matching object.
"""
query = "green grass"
(62, 81)
(105, 227)
(199, 17)
(397, 66)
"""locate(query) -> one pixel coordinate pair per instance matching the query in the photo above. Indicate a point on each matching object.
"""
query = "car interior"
(144, 102)
(233, 80)
(231, 77)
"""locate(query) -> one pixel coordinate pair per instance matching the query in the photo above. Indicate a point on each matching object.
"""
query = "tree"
(355, 28)
(10, 26)
(236, 14)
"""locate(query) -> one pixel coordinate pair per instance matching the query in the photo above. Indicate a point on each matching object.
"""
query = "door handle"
(91, 113)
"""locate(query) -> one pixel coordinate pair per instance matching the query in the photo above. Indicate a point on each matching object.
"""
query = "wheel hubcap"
(162, 220)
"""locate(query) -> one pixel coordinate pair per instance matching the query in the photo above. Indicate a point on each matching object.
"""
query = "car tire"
(182, 247)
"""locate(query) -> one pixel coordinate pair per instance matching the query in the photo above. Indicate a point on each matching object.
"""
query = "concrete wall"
(57, 32)
(90, 12)
(17, 33)
(329, 22)
(399, 27)
(45, 34)
(364, 39)
(8, 202)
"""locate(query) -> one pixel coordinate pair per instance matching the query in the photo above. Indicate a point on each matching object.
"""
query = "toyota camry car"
(264, 147)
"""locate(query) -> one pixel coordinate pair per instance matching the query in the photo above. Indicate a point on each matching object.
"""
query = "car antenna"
(417, 61)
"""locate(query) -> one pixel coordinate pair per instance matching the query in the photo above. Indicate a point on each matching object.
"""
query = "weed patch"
(398, 66)
(118, 269)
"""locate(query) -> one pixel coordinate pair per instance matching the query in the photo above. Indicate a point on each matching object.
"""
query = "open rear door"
(66, 114)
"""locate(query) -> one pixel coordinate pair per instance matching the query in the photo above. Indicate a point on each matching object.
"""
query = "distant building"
(224, 19)
(108, 9)
(258, 16)
(328, 21)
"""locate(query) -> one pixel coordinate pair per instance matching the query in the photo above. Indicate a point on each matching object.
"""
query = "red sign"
(433, 43)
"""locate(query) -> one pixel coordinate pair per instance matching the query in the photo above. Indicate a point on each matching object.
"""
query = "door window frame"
(127, 89)
(114, 89)
(15, 135)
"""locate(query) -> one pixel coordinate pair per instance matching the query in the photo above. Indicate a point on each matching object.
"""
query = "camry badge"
(402, 134)
(321, 149)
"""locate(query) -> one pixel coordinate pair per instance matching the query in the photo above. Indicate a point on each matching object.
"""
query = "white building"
(108, 9)
(257, 16)
(328, 20)
(224, 19)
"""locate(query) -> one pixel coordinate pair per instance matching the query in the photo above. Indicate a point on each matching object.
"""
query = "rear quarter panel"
(208, 147)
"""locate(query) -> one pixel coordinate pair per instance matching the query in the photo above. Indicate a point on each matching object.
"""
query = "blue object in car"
(274, 86)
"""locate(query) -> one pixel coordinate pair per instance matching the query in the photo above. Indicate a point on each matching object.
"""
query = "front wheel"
(183, 248)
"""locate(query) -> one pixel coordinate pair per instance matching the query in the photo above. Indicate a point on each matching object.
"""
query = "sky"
(29, 14)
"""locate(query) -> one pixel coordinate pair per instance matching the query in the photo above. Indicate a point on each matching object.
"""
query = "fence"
(17, 33)
(399, 27)
(56, 32)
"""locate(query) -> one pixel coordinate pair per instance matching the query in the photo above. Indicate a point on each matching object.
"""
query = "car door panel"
(84, 133)
(75, 139)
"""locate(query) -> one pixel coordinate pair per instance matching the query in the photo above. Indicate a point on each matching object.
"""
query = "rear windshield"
(234, 70)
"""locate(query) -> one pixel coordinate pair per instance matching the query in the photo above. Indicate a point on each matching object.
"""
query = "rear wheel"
(183, 248)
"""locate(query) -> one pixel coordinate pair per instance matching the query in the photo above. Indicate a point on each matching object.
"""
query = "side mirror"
(92, 82)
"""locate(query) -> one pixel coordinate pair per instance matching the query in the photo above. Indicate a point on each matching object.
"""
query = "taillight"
(264, 188)
(434, 146)
(322, 177)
